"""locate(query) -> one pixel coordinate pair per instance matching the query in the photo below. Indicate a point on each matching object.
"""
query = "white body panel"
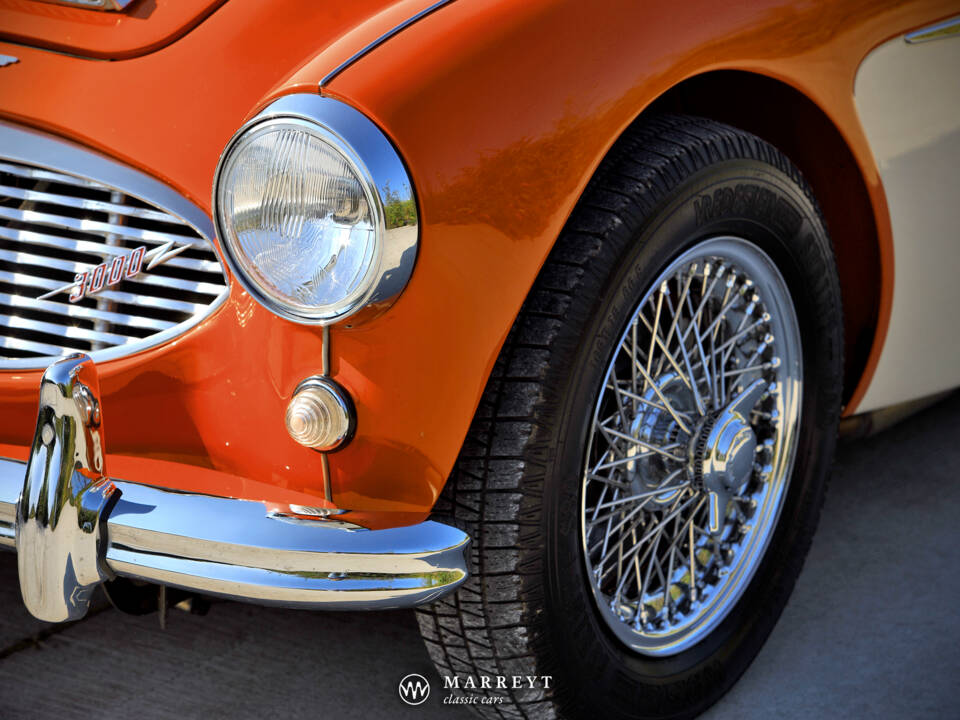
(908, 98)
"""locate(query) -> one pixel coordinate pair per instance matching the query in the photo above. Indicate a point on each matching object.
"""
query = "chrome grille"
(55, 224)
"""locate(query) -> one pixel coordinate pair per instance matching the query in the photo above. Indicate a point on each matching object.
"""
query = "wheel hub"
(653, 425)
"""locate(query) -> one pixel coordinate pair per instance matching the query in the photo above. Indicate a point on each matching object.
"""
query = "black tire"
(527, 608)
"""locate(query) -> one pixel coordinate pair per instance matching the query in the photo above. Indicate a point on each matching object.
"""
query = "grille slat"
(15, 343)
(26, 258)
(83, 203)
(35, 173)
(69, 331)
(91, 227)
(55, 224)
(87, 247)
(86, 313)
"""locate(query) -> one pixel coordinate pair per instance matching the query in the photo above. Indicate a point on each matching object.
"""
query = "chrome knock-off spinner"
(722, 456)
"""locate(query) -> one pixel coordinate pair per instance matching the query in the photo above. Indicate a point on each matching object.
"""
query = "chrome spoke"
(657, 530)
(663, 399)
(666, 487)
(692, 384)
(703, 359)
(673, 325)
(667, 355)
(646, 446)
(687, 417)
(675, 513)
(655, 332)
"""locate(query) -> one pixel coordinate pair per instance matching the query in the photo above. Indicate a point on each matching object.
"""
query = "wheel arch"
(796, 125)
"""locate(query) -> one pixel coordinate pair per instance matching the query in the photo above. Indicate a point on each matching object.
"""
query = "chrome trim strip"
(945, 29)
(222, 546)
(31, 147)
(107, 5)
(380, 40)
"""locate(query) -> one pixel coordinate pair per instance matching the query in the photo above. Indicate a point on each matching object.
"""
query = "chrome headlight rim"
(377, 166)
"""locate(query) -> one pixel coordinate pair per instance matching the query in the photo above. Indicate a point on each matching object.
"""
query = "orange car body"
(502, 111)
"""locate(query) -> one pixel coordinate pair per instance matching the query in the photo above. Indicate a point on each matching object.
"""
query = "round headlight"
(303, 212)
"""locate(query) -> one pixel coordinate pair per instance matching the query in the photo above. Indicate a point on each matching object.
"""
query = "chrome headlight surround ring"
(382, 174)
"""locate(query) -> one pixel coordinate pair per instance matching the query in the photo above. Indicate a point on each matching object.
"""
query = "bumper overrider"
(73, 527)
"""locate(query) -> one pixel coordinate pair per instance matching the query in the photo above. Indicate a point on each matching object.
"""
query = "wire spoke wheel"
(691, 446)
(648, 461)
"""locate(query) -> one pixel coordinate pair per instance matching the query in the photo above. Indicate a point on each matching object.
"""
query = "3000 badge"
(129, 265)
(92, 281)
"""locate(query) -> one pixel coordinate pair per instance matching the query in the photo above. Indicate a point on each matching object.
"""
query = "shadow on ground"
(872, 630)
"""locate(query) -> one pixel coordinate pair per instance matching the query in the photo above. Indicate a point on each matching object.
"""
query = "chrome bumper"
(73, 528)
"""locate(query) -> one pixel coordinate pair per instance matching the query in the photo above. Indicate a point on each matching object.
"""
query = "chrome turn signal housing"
(320, 415)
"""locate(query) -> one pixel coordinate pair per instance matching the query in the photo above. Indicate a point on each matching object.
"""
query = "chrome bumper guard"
(73, 528)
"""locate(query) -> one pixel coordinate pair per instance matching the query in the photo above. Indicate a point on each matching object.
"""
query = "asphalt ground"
(872, 629)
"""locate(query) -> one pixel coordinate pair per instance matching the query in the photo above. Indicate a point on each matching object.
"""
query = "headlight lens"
(300, 218)
(316, 212)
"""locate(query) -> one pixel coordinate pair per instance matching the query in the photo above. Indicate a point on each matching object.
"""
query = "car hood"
(144, 26)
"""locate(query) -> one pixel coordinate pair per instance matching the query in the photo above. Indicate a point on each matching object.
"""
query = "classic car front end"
(76, 525)
(393, 304)
(140, 316)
